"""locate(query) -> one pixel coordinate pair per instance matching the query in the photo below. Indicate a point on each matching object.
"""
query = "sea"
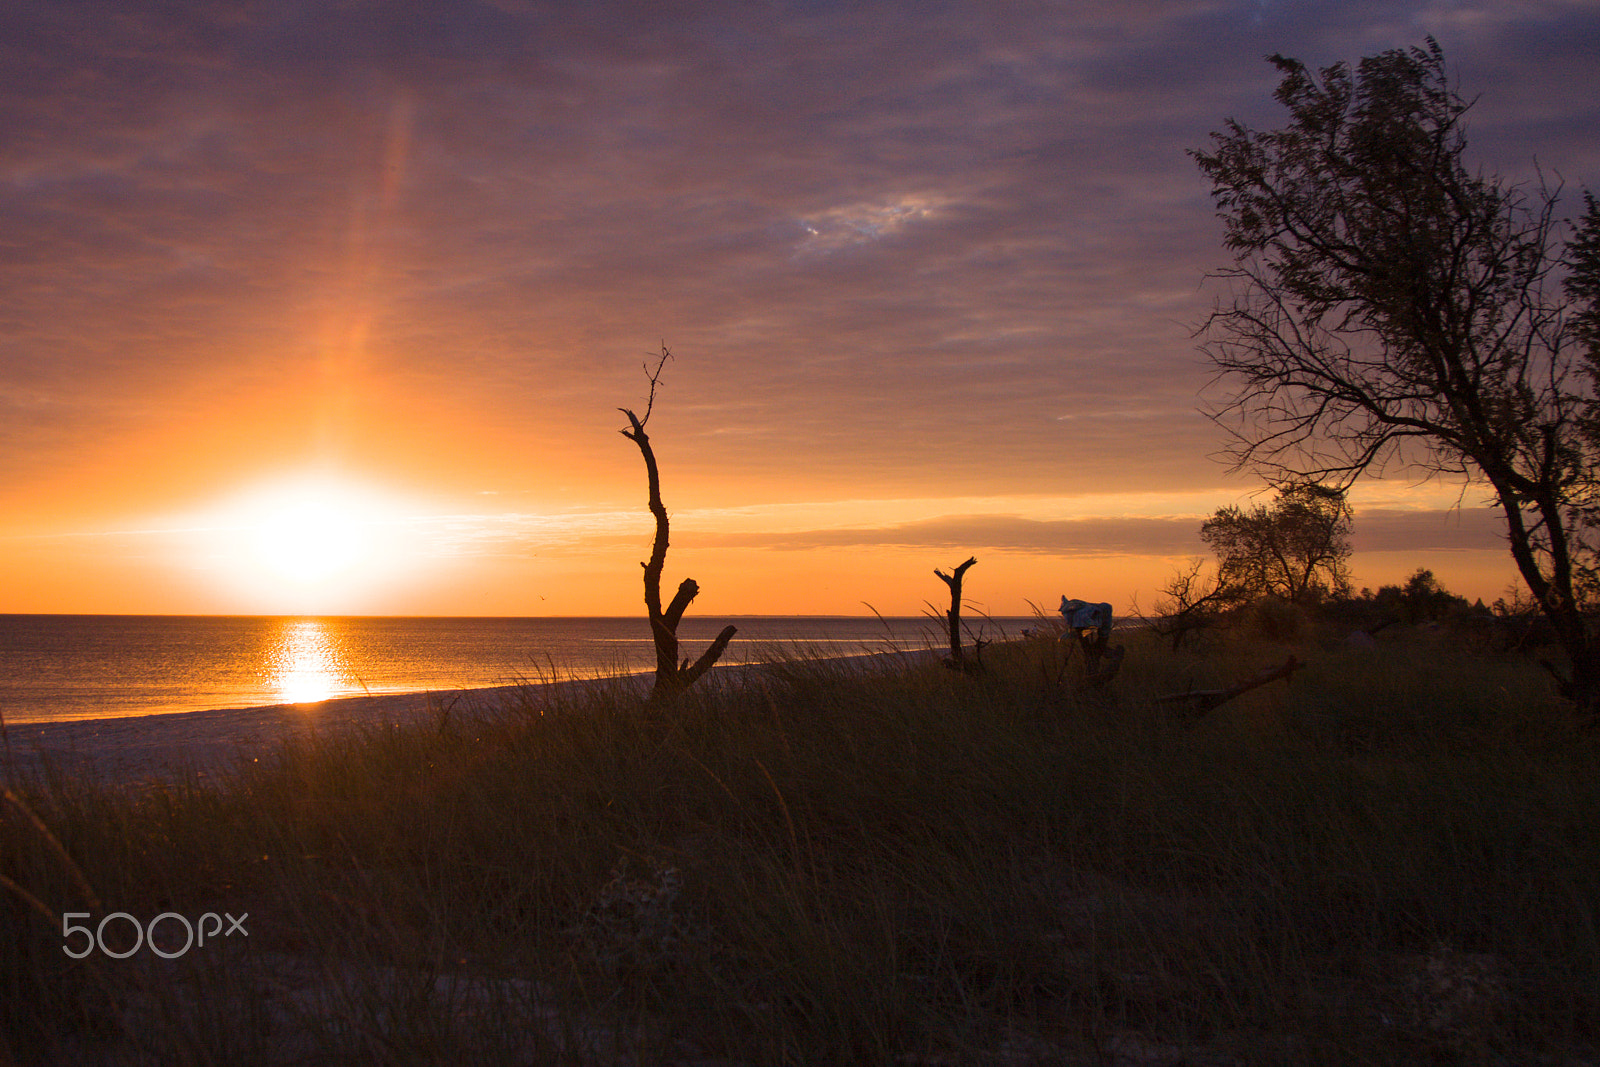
(65, 667)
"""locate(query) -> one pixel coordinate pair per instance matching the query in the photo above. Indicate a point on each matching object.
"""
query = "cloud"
(1008, 533)
(1375, 530)
(1396, 530)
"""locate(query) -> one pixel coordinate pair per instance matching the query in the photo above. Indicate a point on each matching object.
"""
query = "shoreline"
(131, 749)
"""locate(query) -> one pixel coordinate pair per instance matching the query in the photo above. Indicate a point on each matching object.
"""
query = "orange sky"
(329, 308)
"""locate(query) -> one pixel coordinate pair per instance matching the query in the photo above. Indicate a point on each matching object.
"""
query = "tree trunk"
(1554, 595)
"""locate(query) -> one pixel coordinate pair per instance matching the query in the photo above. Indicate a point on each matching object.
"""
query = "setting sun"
(310, 542)
(309, 536)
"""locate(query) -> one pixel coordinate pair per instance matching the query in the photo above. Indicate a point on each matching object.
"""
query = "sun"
(309, 535)
(311, 542)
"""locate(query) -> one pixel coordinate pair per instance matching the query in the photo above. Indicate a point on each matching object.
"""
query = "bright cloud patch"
(856, 224)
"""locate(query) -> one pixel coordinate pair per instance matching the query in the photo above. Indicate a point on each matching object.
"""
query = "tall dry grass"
(1393, 859)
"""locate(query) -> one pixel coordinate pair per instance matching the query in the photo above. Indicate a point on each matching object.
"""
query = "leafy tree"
(1582, 287)
(1424, 598)
(1391, 308)
(1583, 280)
(1297, 548)
(1420, 599)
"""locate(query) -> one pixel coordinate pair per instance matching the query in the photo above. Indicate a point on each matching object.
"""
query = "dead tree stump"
(957, 660)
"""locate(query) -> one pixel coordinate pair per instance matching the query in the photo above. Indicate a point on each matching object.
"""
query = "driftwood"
(672, 677)
(1204, 700)
(957, 660)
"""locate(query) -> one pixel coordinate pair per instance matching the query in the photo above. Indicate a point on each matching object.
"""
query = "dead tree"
(672, 676)
(957, 661)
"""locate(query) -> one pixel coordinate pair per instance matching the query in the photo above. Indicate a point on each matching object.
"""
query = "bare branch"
(655, 379)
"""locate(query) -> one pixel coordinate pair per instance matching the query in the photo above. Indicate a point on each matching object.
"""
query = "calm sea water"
(56, 667)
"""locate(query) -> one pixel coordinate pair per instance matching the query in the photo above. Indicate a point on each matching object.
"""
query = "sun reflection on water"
(305, 665)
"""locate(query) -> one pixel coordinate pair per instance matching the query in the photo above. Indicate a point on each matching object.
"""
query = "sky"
(329, 307)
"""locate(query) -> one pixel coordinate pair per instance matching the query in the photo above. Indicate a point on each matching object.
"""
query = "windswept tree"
(1296, 548)
(1392, 309)
(672, 676)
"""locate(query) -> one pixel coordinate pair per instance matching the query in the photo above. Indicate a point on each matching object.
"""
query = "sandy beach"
(208, 743)
(138, 748)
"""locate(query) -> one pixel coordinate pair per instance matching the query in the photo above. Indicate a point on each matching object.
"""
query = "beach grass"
(1392, 858)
